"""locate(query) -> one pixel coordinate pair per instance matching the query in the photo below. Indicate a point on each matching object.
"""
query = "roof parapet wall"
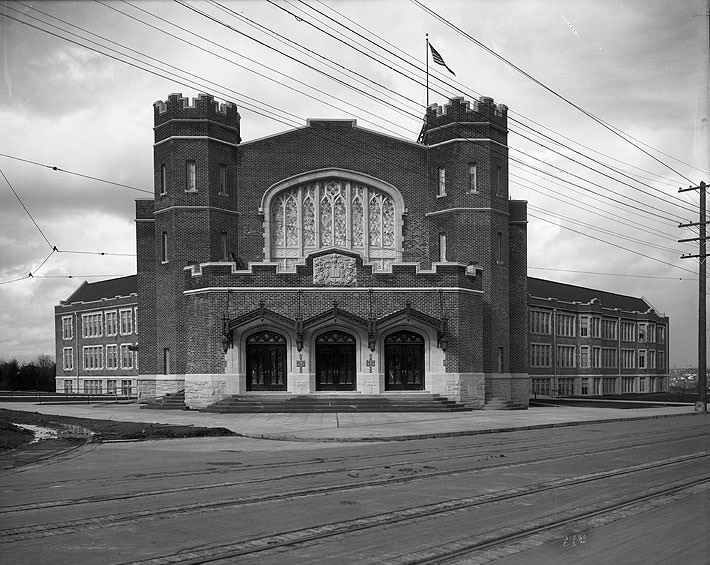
(204, 107)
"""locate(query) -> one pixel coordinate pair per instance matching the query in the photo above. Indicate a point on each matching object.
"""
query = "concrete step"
(423, 402)
(175, 401)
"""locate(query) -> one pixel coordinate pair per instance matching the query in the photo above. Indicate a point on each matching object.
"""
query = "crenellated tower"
(193, 217)
(474, 222)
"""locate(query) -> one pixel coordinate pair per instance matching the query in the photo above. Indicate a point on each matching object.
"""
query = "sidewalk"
(353, 426)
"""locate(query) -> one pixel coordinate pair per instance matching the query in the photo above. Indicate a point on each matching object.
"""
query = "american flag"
(438, 59)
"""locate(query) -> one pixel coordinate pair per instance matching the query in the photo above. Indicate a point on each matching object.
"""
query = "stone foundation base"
(205, 389)
(465, 388)
(151, 386)
(508, 388)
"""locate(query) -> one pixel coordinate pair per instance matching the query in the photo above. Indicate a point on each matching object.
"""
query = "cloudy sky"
(641, 66)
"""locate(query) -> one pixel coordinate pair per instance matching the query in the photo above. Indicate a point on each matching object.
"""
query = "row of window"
(191, 178)
(97, 357)
(471, 181)
(596, 357)
(95, 386)
(572, 325)
(106, 323)
(596, 386)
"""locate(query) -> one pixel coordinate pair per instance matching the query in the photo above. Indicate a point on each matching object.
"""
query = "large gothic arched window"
(332, 213)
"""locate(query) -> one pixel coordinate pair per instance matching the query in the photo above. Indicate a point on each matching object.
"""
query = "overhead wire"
(616, 131)
(149, 71)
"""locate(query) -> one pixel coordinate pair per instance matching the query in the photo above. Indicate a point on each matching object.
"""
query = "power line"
(55, 168)
(610, 274)
(25, 208)
(616, 131)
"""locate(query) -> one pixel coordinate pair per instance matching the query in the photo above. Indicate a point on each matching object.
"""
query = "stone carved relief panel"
(334, 270)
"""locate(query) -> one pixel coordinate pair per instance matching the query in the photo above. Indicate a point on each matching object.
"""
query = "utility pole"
(701, 404)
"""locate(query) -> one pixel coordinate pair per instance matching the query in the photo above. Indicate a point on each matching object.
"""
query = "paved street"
(617, 492)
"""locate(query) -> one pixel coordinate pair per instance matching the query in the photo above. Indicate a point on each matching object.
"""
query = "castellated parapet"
(191, 112)
(445, 122)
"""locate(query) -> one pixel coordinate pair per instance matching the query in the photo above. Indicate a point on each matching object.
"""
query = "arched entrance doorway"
(335, 361)
(266, 361)
(404, 361)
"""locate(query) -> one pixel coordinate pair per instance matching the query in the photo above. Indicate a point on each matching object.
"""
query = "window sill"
(441, 195)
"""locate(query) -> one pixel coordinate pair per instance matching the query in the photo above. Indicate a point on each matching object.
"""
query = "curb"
(460, 433)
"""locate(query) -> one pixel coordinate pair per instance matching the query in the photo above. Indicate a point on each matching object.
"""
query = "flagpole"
(427, 70)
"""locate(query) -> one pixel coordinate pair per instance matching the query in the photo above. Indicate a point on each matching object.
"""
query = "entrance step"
(405, 402)
(174, 401)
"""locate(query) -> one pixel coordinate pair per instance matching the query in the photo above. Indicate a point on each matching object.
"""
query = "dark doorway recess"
(404, 361)
(335, 361)
(266, 361)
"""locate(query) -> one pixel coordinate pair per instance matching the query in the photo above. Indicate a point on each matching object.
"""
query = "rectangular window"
(661, 359)
(93, 357)
(163, 180)
(651, 358)
(126, 356)
(68, 387)
(642, 359)
(191, 176)
(135, 320)
(628, 331)
(441, 186)
(541, 386)
(628, 359)
(608, 329)
(540, 355)
(661, 334)
(472, 178)
(92, 325)
(642, 335)
(596, 357)
(111, 386)
(595, 324)
(501, 359)
(609, 385)
(224, 245)
(164, 247)
(585, 386)
(540, 322)
(166, 361)
(499, 182)
(651, 333)
(68, 359)
(126, 318)
(565, 387)
(565, 325)
(111, 322)
(642, 384)
(584, 326)
(565, 356)
(609, 358)
(627, 385)
(92, 386)
(67, 327)
(223, 179)
(442, 247)
(112, 357)
(126, 388)
(584, 356)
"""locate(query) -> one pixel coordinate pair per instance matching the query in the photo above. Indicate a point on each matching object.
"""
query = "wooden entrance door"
(335, 361)
(404, 361)
(266, 361)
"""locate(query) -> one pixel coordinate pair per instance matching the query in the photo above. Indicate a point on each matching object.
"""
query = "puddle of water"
(39, 432)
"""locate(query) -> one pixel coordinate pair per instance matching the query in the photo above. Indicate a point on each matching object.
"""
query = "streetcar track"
(98, 522)
(293, 538)
(479, 456)
(385, 467)
(343, 459)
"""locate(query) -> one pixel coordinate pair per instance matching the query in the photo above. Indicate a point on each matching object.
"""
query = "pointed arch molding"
(357, 212)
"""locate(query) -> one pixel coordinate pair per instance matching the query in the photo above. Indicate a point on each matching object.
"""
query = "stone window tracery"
(333, 213)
